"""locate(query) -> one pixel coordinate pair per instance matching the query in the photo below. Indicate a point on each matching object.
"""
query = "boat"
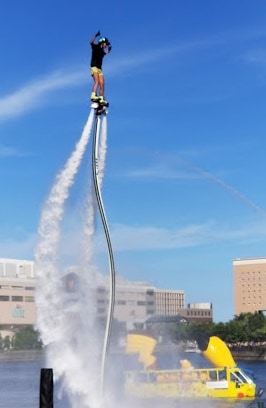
(223, 380)
(192, 347)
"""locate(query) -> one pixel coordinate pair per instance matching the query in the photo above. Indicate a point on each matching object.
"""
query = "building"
(249, 285)
(135, 301)
(17, 293)
(169, 302)
(199, 312)
(139, 302)
(196, 312)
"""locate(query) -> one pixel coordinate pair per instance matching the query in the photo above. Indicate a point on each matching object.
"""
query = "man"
(98, 52)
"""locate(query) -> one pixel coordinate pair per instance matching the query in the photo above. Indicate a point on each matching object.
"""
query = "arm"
(92, 40)
(94, 37)
(108, 50)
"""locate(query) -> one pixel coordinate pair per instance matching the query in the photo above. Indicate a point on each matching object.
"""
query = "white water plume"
(64, 317)
(89, 224)
(102, 151)
(87, 241)
(89, 273)
(49, 237)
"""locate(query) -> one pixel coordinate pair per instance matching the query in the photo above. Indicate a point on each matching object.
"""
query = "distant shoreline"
(34, 355)
(249, 355)
(21, 355)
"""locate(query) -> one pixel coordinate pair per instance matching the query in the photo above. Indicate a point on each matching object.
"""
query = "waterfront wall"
(238, 353)
(249, 352)
(21, 355)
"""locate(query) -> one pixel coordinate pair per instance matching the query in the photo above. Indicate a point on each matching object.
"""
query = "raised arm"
(108, 49)
(94, 37)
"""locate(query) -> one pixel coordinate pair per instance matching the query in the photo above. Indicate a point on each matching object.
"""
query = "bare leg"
(101, 84)
(96, 84)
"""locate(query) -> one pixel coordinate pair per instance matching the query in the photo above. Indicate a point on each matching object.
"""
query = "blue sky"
(184, 187)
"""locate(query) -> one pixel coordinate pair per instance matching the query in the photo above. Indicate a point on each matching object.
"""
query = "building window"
(18, 313)
(4, 298)
(17, 298)
(29, 298)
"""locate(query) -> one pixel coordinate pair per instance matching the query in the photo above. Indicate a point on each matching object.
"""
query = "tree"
(6, 343)
(244, 327)
(27, 339)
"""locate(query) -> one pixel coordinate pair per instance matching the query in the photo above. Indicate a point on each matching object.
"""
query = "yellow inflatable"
(217, 353)
(144, 346)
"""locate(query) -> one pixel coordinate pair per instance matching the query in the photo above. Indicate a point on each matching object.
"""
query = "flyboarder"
(99, 50)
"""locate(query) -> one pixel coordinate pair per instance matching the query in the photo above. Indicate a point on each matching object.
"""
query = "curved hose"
(109, 247)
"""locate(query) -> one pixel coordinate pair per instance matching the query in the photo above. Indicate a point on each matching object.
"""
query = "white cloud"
(32, 94)
(257, 57)
(174, 167)
(144, 238)
(8, 151)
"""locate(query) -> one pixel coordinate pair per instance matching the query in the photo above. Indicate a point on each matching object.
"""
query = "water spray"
(65, 349)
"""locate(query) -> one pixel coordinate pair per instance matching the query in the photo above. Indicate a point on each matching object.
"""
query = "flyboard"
(100, 108)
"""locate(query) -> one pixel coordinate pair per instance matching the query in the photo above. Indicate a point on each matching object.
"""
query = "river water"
(19, 388)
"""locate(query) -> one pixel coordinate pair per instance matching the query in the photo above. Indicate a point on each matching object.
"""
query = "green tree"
(27, 339)
(6, 343)
(251, 326)
(244, 327)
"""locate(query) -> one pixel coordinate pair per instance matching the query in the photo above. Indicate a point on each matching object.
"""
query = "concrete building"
(17, 293)
(200, 312)
(135, 301)
(196, 312)
(249, 285)
(169, 302)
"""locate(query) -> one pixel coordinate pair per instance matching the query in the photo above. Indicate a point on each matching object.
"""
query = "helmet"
(102, 40)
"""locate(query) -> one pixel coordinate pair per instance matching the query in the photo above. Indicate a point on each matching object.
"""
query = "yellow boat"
(224, 380)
